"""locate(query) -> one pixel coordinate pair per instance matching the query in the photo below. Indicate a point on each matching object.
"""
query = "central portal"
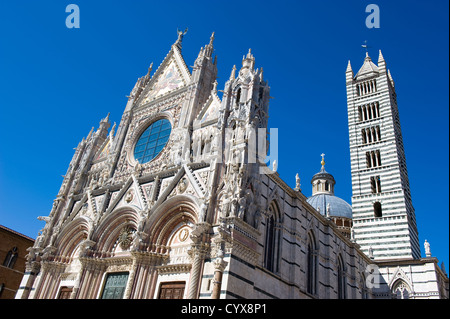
(172, 290)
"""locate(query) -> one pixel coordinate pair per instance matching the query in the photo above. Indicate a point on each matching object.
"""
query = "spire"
(390, 78)
(210, 47)
(381, 62)
(349, 67)
(322, 162)
(211, 39)
(349, 73)
(248, 61)
(233, 73)
(106, 119)
(380, 57)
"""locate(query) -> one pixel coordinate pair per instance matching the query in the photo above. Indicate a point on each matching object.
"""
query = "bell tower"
(384, 222)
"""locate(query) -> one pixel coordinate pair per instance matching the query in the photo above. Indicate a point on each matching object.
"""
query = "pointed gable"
(171, 75)
(210, 111)
(104, 152)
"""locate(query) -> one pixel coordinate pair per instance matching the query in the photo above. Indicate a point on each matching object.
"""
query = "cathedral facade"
(178, 202)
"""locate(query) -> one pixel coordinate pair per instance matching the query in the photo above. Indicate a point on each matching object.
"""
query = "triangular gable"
(399, 275)
(171, 75)
(130, 194)
(104, 151)
(210, 111)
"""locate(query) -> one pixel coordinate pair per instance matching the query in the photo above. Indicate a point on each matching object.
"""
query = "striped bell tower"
(384, 222)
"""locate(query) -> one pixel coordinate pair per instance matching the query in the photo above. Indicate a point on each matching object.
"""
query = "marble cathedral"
(178, 201)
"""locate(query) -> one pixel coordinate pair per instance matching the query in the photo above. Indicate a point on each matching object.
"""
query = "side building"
(13, 251)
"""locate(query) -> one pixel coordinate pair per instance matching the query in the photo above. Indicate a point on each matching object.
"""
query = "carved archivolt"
(108, 231)
(177, 210)
(71, 236)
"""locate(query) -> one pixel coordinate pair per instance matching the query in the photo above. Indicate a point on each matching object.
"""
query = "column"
(219, 267)
(197, 254)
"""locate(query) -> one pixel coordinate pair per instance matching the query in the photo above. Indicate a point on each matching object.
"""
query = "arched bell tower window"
(377, 209)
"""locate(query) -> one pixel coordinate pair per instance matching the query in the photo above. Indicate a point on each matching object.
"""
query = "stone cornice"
(174, 269)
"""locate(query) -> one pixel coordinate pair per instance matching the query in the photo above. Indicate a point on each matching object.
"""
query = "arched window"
(311, 270)
(11, 258)
(369, 135)
(368, 161)
(363, 135)
(401, 290)
(377, 152)
(375, 184)
(341, 279)
(377, 209)
(271, 241)
(363, 286)
(377, 178)
(365, 113)
(238, 97)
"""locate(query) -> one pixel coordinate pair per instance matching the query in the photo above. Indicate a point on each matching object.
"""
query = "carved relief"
(129, 195)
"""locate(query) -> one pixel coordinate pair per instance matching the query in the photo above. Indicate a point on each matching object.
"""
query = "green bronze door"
(115, 285)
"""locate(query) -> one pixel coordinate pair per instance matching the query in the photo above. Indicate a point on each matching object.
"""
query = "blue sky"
(57, 83)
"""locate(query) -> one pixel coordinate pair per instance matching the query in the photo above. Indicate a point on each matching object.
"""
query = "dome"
(338, 206)
(323, 195)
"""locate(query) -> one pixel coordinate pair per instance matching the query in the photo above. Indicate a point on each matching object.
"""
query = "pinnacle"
(349, 67)
(380, 57)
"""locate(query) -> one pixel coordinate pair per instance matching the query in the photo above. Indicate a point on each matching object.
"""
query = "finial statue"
(180, 35)
(427, 248)
(371, 252)
(323, 159)
(297, 183)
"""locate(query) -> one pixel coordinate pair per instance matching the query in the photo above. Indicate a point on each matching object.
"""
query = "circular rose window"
(152, 141)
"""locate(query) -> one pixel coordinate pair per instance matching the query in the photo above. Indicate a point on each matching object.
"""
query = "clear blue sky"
(57, 83)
